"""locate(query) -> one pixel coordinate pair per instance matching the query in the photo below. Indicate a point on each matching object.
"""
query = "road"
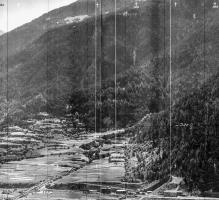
(42, 185)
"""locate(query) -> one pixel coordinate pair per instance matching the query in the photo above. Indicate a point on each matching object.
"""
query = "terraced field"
(45, 159)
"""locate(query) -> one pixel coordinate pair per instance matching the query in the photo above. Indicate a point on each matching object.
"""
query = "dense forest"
(138, 92)
(194, 140)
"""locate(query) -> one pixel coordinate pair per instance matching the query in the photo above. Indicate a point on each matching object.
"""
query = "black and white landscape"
(110, 99)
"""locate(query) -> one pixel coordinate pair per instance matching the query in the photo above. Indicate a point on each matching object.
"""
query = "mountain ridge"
(27, 33)
(63, 58)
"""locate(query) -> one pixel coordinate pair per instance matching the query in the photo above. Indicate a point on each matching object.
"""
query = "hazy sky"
(23, 11)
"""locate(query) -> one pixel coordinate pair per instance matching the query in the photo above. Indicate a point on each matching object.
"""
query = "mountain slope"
(19, 38)
(194, 142)
(68, 51)
(63, 58)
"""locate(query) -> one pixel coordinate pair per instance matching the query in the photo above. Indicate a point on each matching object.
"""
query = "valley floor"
(45, 161)
(56, 164)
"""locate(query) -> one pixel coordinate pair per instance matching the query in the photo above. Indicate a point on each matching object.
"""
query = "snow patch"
(75, 19)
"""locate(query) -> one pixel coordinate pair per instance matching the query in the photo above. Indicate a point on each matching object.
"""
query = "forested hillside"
(194, 140)
(144, 88)
(62, 58)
